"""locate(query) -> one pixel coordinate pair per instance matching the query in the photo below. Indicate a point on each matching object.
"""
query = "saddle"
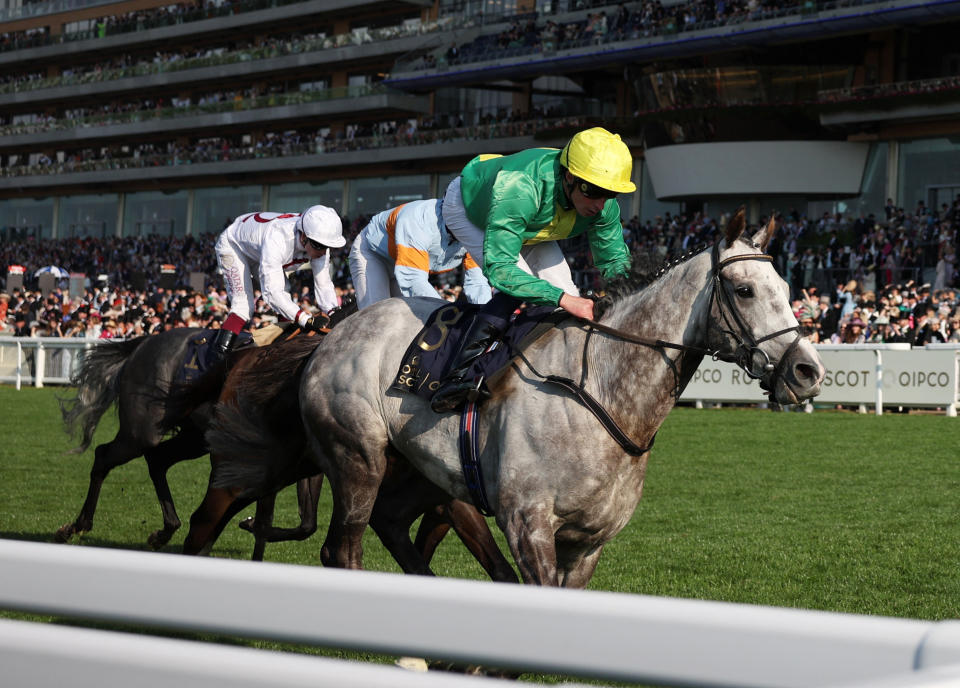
(429, 356)
(194, 364)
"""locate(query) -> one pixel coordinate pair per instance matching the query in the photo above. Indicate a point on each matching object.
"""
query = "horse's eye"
(745, 292)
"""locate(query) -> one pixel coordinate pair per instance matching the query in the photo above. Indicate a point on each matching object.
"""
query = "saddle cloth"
(429, 356)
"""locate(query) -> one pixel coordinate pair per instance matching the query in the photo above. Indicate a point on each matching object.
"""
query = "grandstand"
(139, 117)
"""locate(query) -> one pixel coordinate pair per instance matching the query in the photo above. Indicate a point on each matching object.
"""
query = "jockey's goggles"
(316, 244)
(593, 191)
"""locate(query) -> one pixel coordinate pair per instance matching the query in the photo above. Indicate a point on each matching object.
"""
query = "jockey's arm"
(610, 253)
(414, 237)
(324, 293)
(413, 281)
(475, 285)
(273, 284)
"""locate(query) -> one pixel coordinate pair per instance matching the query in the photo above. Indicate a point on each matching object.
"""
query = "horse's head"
(752, 319)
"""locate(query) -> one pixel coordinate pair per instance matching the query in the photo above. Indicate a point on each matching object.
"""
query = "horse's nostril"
(805, 371)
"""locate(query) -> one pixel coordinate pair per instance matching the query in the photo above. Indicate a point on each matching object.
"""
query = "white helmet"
(322, 224)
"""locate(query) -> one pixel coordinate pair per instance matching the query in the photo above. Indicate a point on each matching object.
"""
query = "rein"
(746, 353)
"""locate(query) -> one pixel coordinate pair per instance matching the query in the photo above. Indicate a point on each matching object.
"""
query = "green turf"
(833, 511)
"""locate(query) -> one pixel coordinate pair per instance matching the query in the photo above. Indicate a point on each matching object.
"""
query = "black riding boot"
(458, 386)
(221, 344)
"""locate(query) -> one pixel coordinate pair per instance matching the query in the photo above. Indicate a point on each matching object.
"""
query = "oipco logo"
(918, 378)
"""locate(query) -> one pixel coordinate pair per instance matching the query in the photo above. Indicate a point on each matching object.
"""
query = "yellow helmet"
(600, 158)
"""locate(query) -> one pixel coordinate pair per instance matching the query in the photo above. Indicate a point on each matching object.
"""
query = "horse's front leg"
(262, 520)
(531, 537)
(433, 527)
(308, 495)
(578, 572)
(208, 521)
(472, 528)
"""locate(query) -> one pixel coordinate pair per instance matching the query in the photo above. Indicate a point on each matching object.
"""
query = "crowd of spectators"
(533, 33)
(291, 142)
(851, 280)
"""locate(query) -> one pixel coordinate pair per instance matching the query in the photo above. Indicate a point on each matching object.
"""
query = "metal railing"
(38, 361)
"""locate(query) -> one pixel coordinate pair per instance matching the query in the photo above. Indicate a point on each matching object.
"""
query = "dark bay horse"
(136, 375)
(162, 421)
(560, 484)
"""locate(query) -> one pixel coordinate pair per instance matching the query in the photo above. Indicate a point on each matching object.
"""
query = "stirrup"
(456, 393)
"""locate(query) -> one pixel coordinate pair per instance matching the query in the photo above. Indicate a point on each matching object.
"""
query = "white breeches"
(237, 277)
(372, 274)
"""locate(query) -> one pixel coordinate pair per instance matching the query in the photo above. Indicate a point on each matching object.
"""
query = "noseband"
(747, 355)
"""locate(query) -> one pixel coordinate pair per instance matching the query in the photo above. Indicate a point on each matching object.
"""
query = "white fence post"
(39, 365)
(879, 372)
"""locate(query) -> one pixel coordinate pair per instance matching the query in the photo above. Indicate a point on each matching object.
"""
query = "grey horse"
(558, 483)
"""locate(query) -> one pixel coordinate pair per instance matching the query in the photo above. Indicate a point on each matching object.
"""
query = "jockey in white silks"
(399, 249)
(270, 244)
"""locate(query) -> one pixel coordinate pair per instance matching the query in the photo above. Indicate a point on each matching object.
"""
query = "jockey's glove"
(317, 323)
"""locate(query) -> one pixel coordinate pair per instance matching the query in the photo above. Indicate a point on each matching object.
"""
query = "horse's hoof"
(64, 533)
(247, 524)
(412, 663)
(158, 539)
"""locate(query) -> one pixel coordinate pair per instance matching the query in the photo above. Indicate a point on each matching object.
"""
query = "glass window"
(925, 164)
(295, 198)
(371, 195)
(155, 212)
(214, 209)
(24, 218)
(873, 188)
(650, 207)
(88, 216)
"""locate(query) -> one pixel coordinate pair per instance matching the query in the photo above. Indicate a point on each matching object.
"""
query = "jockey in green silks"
(509, 211)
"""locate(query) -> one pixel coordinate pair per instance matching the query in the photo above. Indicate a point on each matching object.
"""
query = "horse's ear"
(736, 225)
(763, 237)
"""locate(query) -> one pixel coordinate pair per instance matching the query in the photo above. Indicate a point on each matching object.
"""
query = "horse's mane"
(277, 370)
(645, 269)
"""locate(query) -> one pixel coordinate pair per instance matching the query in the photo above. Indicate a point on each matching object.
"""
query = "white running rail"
(591, 634)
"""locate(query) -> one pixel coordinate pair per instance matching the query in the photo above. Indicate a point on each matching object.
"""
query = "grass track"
(832, 511)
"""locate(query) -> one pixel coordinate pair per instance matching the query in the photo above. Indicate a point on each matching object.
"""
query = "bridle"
(747, 354)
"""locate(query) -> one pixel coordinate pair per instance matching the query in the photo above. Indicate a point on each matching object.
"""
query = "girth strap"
(469, 445)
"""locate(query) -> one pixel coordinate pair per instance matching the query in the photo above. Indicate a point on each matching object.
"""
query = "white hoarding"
(909, 377)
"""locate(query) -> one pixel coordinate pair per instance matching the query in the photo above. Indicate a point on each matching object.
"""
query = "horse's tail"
(97, 382)
(261, 431)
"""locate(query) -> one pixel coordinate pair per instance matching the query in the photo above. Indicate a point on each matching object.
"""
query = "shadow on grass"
(96, 541)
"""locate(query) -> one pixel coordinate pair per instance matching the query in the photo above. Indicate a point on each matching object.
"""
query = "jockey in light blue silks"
(399, 249)
(269, 244)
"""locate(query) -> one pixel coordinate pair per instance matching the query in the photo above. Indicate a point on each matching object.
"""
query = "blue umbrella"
(54, 270)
